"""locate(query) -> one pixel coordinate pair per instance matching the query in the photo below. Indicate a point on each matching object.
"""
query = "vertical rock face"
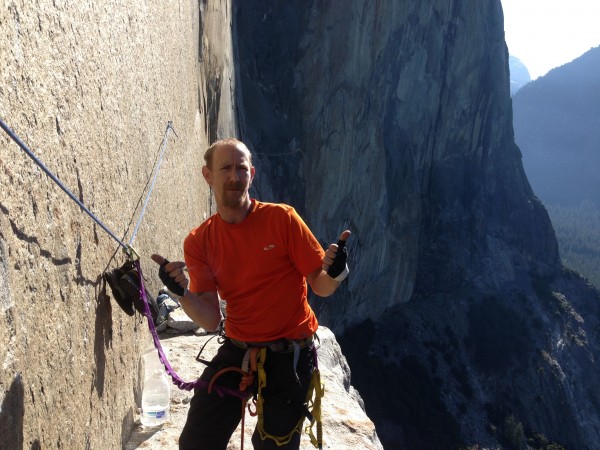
(90, 87)
(393, 118)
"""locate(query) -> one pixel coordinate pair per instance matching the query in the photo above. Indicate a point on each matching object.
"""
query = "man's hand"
(201, 307)
(172, 275)
(334, 262)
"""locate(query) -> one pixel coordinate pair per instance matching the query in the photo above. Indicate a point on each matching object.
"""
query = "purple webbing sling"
(177, 380)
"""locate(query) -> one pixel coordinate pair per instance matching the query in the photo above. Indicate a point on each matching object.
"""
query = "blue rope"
(157, 168)
(26, 149)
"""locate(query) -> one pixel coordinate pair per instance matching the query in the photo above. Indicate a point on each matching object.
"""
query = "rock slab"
(345, 423)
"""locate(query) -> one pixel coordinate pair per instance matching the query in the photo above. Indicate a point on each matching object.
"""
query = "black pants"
(212, 419)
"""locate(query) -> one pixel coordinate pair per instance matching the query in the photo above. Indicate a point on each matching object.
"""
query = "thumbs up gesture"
(336, 255)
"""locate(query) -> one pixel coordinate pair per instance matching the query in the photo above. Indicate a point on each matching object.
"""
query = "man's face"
(230, 176)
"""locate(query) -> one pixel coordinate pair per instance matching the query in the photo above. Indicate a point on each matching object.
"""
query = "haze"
(545, 34)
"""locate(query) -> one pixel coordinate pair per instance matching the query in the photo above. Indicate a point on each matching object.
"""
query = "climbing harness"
(249, 368)
(313, 408)
(253, 367)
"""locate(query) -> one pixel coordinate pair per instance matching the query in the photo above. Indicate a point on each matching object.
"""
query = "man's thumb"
(157, 259)
(345, 235)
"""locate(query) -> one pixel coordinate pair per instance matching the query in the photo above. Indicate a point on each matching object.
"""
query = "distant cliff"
(556, 126)
(519, 74)
(394, 119)
(389, 119)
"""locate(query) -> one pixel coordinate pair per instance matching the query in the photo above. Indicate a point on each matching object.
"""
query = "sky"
(545, 34)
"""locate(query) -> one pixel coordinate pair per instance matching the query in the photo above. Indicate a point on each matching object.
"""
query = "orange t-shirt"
(258, 267)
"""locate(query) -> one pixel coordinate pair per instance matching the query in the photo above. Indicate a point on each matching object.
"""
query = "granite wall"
(90, 87)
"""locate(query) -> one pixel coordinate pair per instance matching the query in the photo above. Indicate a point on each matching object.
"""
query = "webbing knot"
(252, 363)
(249, 368)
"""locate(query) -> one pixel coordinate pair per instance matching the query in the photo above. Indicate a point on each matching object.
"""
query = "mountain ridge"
(555, 120)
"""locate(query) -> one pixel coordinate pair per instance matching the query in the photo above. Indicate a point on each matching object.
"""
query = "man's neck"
(235, 215)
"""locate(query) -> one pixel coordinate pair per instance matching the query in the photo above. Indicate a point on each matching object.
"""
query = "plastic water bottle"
(156, 392)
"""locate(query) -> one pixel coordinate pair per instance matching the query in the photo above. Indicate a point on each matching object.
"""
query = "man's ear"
(252, 173)
(206, 173)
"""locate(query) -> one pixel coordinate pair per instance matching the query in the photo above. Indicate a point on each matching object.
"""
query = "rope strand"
(156, 169)
(177, 380)
(53, 177)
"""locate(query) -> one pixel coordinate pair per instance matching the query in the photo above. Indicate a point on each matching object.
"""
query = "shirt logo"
(269, 247)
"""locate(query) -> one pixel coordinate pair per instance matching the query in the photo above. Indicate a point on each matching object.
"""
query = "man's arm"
(203, 308)
(321, 281)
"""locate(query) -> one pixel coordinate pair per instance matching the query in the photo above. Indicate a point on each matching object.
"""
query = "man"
(258, 257)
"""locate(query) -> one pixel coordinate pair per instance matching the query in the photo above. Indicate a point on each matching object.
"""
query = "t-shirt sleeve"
(201, 276)
(305, 251)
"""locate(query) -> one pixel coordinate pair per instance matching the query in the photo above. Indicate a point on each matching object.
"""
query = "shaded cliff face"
(393, 118)
(467, 369)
